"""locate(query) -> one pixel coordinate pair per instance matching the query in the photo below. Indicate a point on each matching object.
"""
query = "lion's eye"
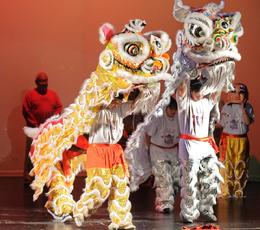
(224, 25)
(132, 49)
(196, 31)
(158, 44)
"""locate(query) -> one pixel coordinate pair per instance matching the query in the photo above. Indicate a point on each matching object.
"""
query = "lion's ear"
(106, 32)
(236, 24)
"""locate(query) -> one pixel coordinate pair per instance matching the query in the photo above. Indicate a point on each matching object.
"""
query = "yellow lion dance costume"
(130, 58)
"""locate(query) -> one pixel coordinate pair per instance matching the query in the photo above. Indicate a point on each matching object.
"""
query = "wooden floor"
(17, 211)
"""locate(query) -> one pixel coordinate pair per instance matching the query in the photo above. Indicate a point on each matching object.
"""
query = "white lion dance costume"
(205, 47)
(130, 58)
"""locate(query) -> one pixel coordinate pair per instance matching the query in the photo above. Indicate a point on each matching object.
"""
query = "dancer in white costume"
(206, 54)
(163, 138)
(197, 152)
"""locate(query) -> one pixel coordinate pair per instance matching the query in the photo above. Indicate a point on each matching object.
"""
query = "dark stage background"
(61, 38)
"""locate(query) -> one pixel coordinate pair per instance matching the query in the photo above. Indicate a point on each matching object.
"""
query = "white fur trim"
(31, 132)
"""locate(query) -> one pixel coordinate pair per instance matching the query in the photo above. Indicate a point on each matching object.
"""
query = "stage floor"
(18, 211)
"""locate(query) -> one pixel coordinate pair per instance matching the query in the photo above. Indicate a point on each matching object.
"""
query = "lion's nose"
(157, 65)
(208, 44)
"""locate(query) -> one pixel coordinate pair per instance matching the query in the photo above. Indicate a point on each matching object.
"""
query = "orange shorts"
(105, 156)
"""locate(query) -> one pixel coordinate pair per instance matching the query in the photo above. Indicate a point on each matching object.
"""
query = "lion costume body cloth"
(130, 58)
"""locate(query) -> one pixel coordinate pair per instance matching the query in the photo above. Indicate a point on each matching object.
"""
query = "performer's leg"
(97, 189)
(60, 202)
(209, 182)
(189, 202)
(176, 175)
(227, 188)
(223, 186)
(119, 205)
(162, 171)
(241, 167)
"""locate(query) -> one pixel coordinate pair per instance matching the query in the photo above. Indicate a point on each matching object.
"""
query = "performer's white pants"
(167, 181)
(200, 183)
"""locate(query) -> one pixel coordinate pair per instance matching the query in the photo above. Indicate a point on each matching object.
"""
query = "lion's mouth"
(215, 62)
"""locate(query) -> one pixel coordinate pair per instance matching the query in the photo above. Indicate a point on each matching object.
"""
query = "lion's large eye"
(224, 25)
(196, 31)
(158, 44)
(132, 49)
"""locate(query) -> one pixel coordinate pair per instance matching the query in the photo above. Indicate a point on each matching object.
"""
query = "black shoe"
(210, 217)
(185, 220)
(166, 210)
(27, 180)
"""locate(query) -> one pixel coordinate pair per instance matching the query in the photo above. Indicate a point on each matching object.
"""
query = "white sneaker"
(114, 226)
(185, 219)
(79, 219)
